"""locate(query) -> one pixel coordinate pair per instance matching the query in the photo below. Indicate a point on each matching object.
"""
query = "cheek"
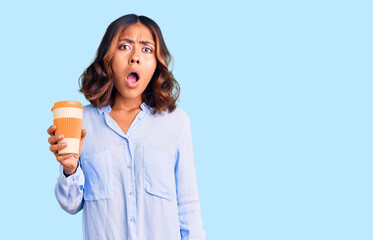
(118, 63)
(151, 65)
(116, 68)
(114, 65)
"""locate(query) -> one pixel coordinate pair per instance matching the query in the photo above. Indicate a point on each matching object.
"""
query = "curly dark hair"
(97, 81)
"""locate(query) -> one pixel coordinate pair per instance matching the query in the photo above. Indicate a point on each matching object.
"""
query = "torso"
(145, 162)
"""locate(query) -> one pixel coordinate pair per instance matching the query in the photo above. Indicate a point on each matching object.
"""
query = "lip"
(130, 84)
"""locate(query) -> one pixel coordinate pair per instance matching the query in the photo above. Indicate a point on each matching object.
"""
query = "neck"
(125, 104)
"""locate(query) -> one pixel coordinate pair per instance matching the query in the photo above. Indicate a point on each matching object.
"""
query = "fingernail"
(64, 144)
(60, 136)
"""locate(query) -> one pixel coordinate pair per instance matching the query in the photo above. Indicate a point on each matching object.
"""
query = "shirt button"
(132, 219)
(131, 193)
(129, 166)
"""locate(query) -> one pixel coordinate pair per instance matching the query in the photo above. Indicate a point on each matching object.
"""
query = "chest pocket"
(97, 172)
(159, 178)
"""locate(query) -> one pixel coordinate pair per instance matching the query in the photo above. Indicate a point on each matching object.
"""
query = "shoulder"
(92, 110)
(168, 124)
(168, 128)
(91, 113)
(89, 108)
(178, 116)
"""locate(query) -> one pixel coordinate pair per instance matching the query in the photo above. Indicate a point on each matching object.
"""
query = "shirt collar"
(144, 107)
(107, 108)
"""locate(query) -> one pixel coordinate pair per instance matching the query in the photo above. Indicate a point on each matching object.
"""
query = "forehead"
(137, 32)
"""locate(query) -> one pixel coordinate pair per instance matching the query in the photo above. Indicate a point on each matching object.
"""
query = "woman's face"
(134, 61)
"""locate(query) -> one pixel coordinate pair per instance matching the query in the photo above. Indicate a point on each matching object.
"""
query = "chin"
(132, 95)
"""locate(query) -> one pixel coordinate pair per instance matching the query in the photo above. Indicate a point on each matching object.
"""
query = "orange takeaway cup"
(68, 118)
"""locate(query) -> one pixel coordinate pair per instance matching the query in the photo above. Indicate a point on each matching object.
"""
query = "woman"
(134, 177)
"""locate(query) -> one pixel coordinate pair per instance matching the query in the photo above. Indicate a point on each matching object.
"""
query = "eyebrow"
(131, 41)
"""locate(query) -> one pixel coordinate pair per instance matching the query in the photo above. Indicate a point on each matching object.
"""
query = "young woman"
(134, 177)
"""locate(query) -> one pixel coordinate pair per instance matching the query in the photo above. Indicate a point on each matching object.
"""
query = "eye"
(148, 50)
(124, 46)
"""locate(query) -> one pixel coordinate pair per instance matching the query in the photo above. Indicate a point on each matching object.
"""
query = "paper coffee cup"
(68, 118)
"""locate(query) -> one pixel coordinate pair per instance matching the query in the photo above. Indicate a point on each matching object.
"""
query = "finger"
(64, 157)
(54, 139)
(56, 147)
(51, 130)
(84, 133)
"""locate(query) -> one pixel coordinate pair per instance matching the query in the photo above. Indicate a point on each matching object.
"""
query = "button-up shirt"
(139, 185)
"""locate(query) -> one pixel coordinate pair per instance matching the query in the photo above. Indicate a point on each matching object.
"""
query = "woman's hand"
(68, 161)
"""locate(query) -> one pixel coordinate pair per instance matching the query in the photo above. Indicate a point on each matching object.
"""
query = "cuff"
(76, 178)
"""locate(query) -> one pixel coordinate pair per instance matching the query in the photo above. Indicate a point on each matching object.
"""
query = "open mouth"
(133, 77)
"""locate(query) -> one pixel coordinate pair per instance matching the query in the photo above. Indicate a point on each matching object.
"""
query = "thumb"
(84, 133)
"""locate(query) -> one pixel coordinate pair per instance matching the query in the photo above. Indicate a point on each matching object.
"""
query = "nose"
(134, 59)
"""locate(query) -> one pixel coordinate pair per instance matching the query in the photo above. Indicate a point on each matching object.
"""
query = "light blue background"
(280, 99)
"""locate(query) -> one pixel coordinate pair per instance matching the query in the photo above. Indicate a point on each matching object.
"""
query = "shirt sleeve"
(186, 187)
(69, 191)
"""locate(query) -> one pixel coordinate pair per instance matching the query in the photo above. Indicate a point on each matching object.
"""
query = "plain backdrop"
(279, 94)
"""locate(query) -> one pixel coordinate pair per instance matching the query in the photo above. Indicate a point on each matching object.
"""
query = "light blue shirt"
(139, 185)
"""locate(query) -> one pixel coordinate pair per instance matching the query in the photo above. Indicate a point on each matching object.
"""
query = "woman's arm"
(69, 188)
(186, 187)
(69, 191)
